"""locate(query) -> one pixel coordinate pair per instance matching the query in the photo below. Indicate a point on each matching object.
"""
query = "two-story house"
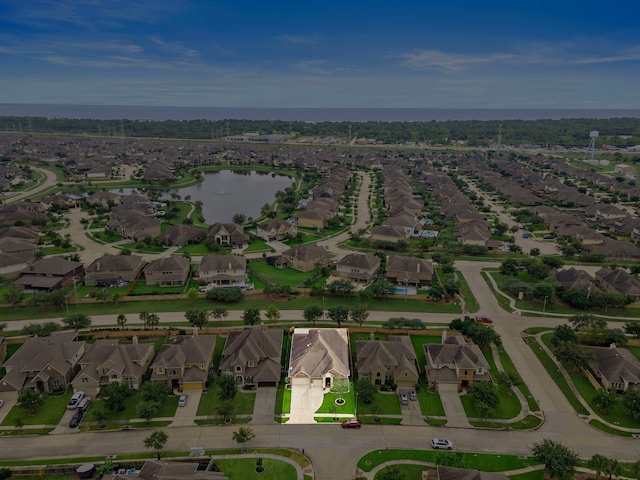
(276, 230)
(358, 267)
(253, 357)
(50, 273)
(167, 271)
(185, 363)
(107, 361)
(454, 362)
(45, 364)
(229, 234)
(304, 257)
(393, 361)
(223, 270)
(113, 269)
(409, 271)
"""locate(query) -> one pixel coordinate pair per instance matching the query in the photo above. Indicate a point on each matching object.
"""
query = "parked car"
(441, 444)
(403, 399)
(483, 320)
(182, 401)
(351, 424)
(84, 404)
(413, 395)
(548, 237)
(75, 400)
(75, 420)
(1, 402)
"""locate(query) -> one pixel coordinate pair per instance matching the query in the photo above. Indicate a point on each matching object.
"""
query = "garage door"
(267, 384)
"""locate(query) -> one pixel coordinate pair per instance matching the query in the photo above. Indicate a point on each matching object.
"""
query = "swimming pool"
(406, 291)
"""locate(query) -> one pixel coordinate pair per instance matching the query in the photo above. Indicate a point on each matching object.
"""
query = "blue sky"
(422, 54)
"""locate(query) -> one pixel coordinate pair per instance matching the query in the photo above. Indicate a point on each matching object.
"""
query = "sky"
(349, 54)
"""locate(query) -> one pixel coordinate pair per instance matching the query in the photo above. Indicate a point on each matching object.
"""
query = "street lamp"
(544, 304)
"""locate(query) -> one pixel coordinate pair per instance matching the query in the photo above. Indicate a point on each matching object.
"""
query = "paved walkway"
(453, 409)
(265, 406)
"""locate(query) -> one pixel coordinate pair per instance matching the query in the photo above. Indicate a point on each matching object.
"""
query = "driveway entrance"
(264, 406)
(452, 405)
(305, 400)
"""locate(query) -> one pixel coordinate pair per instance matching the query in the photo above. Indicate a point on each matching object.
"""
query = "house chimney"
(134, 339)
(444, 335)
(418, 267)
(98, 266)
(229, 265)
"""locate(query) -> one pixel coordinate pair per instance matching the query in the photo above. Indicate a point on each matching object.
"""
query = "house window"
(377, 374)
(57, 383)
(160, 370)
(250, 363)
(238, 368)
(85, 380)
(114, 376)
(105, 371)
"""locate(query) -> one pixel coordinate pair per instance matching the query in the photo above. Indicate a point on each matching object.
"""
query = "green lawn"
(388, 404)
(508, 407)
(418, 341)
(142, 247)
(244, 469)
(475, 461)
(278, 276)
(49, 413)
(141, 288)
(167, 409)
(283, 401)
(329, 403)
(508, 365)
(243, 402)
(257, 245)
(105, 237)
(430, 403)
(57, 250)
(199, 249)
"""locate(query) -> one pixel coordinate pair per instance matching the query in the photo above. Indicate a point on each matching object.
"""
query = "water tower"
(591, 149)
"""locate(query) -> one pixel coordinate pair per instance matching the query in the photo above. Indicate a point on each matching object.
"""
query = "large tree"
(598, 463)
(219, 312)
(77, 321)
(115, 396)
(559, 461)
(338, 314)
(197, 318)
(365, 390)
(359, 313)
(251, 316)
(313, 313)
(156, 442)
(226, 386)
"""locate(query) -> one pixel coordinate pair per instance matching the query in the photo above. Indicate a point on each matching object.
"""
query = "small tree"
(115, 396)
(273, 313)
(365, 390)
(77, 321)
(360, 313)
(391, 473)
(219, 313)
(631, 402)
(19, 423)
(153, 320)
(100, 416)
(598, 463)
(243, 436)
(227, 388)
(156, 441)
(30, 401)
(225, 409)
(612, 468)
(605, 399)
(121, 320)
(148, 410)
(106, 468)
(485, 397)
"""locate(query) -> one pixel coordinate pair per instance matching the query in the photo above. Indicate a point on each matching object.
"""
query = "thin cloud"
(175, 47)
(299, 39)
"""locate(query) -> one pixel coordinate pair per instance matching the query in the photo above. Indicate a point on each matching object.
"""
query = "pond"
(224, 193)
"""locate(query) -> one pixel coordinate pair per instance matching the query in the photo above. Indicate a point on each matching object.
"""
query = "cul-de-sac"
(297, 306)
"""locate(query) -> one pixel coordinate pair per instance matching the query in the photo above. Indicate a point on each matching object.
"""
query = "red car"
(351, 424)
(483, 320)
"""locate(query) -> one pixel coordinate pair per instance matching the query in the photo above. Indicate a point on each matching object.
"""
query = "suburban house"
(223, 270)
(253, 357)
(389, 234)
(615, 367)
(619, 281)
(572, 278)
(318, 356)
(393, 361)
(181, 235)
(167, 271)
(112, 269)
(409, 271)
(276, 230)
(454, 362)
(134, 225)
(304, 257)
(107, 361)
(50, 273)
(358, 267)
(45, 364)
(313, 218)
(229, 234)
(168, 470)
(185, 363)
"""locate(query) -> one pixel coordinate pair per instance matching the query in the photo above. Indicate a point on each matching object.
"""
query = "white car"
(182, 401)
(1, 402)
(75, 400)
(441, 444)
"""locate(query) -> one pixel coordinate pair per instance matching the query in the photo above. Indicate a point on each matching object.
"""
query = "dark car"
(75, 420)
(483, 320)
(351, 424)
(548, 237)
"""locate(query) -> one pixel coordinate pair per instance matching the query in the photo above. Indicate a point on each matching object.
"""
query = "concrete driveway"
(186, 415)
(452, 405)
(264, 406)
(305, 400)
(411, 413)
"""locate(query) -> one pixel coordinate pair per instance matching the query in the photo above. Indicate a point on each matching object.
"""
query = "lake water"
(225, 193)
